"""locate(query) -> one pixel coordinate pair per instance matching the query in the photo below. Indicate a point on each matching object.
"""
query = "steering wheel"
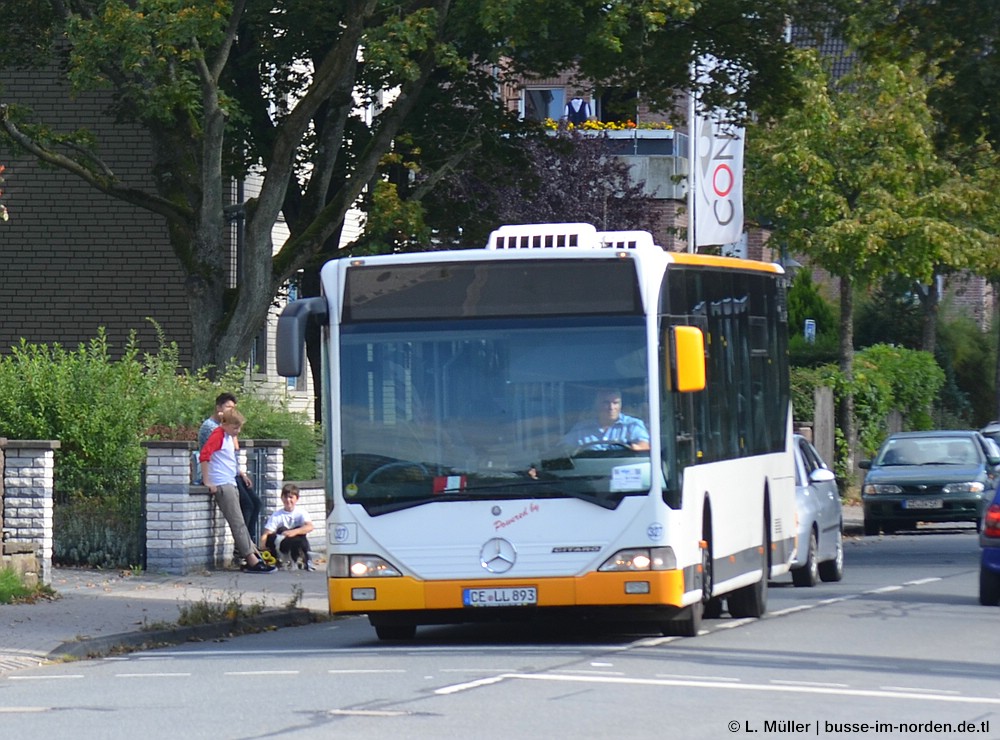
(370, 478)
(602, 444)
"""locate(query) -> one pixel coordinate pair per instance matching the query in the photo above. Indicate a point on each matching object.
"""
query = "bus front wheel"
(686, 623)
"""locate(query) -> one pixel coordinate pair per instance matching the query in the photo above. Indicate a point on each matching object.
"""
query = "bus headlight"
(361, 566)
(641, 558)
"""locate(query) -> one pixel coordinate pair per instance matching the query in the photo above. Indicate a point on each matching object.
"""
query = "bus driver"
(611, 425)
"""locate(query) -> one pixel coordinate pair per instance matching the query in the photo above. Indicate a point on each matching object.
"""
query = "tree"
(229, 87)
(853, 180)
(958, 40)
(543, 179)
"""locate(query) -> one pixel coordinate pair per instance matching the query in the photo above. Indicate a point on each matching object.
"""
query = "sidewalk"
(98, 612)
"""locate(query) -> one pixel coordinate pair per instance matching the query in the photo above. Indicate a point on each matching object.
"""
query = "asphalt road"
(899, 648)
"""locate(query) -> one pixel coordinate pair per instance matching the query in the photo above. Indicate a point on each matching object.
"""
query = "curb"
(98, 647)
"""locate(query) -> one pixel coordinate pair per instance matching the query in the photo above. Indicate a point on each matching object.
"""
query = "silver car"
(820, 551)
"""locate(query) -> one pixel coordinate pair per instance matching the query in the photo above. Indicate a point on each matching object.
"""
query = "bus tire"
(751, 601)
(713, 608)
(687, 622)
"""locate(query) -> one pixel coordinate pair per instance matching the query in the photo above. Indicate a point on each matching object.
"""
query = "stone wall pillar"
(28, 479)
(185, 531)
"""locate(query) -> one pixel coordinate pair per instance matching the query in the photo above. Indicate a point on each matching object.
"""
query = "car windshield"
(930, 451)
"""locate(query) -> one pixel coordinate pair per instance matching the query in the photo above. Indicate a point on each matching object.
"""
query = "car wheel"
(808, 574)
(989, 587)
(833, 570)
(872, 527)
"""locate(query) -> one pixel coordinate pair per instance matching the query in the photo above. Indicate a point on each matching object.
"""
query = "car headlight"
(874, 489)
(641, 558)
(360, 566)
(969, 487)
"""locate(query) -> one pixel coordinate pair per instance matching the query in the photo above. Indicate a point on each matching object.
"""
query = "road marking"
(921, 581)
(793, 609)
(684, 677)
(455, 688)
(811, 683)
(796, 689)
(151, 675)
(43, 678)
(884, 590)
(260, 673)
(24, 710)
(916, 688)
(368, 712)
(366, 670)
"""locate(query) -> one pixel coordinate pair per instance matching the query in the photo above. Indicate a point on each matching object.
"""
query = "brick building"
(73, 259)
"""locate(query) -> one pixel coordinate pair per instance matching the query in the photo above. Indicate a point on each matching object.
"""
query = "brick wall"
(73, 259)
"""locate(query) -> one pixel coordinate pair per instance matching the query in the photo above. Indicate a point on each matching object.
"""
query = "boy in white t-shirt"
(286, 529)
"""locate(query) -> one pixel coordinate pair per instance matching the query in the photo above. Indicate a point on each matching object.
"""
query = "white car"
(820, 551)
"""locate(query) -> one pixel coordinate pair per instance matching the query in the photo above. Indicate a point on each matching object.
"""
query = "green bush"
(101, 410)
(886, 378)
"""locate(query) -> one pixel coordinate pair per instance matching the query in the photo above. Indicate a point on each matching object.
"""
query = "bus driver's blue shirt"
(627, 430)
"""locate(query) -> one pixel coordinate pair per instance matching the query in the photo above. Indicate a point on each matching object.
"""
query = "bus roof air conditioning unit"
(626, 239)
(545, 236)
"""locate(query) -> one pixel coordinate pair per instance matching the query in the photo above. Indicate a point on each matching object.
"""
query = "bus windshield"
(499, 408)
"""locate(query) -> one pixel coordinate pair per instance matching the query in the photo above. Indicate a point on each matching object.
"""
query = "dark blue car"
(989, 568)
(936, 476)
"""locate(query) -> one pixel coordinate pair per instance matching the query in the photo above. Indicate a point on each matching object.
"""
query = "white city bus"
(451, 381)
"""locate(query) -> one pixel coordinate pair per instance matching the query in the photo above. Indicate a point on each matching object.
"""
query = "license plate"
(923, 503)
(515, 596)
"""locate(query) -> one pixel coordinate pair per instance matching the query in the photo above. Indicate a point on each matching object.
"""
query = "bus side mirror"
(689, 359)
(291, 339)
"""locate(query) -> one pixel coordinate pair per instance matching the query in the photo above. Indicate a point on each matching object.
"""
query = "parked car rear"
(989, 566)
(935, 476)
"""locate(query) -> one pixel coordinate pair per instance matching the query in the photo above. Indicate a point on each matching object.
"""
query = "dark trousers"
(250, 505)
(295, 548)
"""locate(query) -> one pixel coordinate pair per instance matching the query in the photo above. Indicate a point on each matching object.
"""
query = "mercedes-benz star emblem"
(498, 555)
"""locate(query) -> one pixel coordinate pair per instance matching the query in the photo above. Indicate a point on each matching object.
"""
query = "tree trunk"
(930, 302)
(845, 404)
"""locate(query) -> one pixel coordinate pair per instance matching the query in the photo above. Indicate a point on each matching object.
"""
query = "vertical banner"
(719, 182)
(715, 193)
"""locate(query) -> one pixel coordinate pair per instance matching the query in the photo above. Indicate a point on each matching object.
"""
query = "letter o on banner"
(724, 174)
